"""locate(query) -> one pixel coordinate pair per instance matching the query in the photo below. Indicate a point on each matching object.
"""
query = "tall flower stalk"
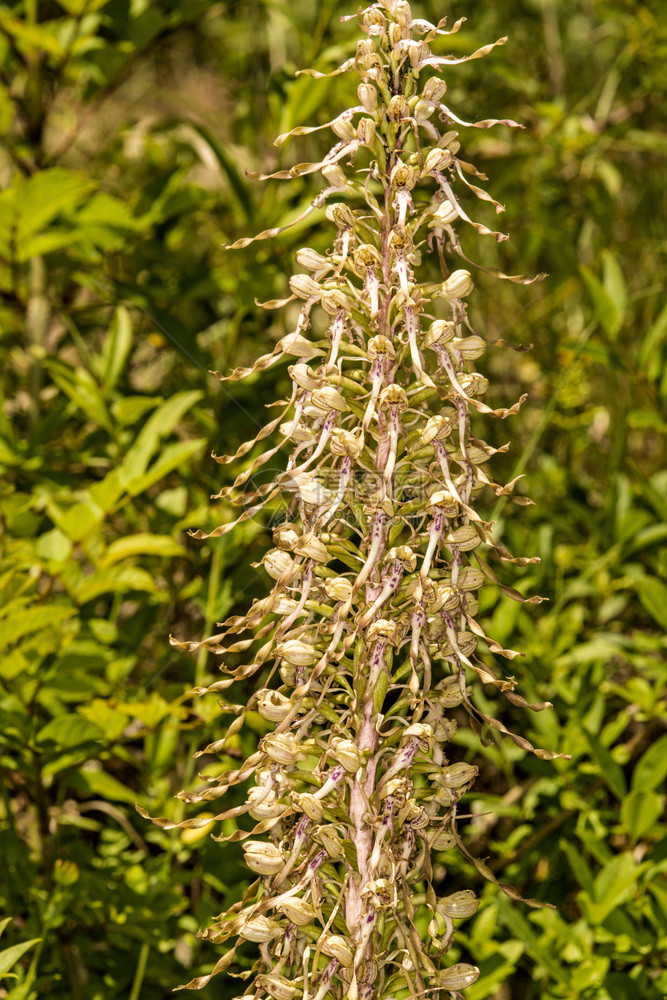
(369, 638)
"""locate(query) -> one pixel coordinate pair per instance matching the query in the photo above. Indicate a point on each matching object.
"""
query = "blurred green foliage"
(126, 128)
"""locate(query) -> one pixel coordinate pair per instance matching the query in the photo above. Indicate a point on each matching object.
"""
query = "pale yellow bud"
(335, 175)
(466, 642)
(469, 348)
(312, 260)
(345, 752)
(298, 653)
(445, 598)
(338, 589)
(263, 804)
(404, 176)
(382, 629)
(449, 692)
(470, 578)
(333, 301)
(444, 215)
(450, 141)
(439, 332)
(444, 841)
(311, 547)
(375, 22)
(437, 159)
(465, 538)
(471, 605)
(327, 398)
(305, 377)
(286, 535)
(297, 346)
(297, 911)
(277, 986)
(457, 775)
(330, 841)
(458, 285)
(397, 33)
(282, 748)
(341, 215)
(445, 501)
(345, 443)
(259, 929)
(368, 97)
(277, 563)
(458, 977)
(304, 286)
(309, 805)
(420, 731)
(473, 384)
(366, 131)
(344, 129)
(263, 858)
(434, 89)
(438, 426)
(338, 947)
(365, 255)
(273, 706)
(459, 904)
(365, 47)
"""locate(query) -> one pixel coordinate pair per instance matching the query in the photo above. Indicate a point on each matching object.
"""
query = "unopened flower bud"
(374, 22)
(333, 301)
(449, 692)
(466, 644)
(444, 215)
(450, 141)
(469, 348)
(439, 332)
(345, 443)
(286, 535)
(297, 346)
(312, 260)
(434, 89)
(277, 986)
(365, 47)
(470, 578)
(304, 286)
(366, 131)
(457, 775)
(264, 804)
(334, 175)
(338, 589)
(277, 563)
(444, 500)
(297, 911)
(422, 732)
(338, 947)
(258, 928)
(344, 129)
(458, 977)
(298, 653)
(405, 554)
(309, 805)
(473, 383)
(305, 377)
(465, 538)
(403, 176)
(443, 841)
(458, 285)
(327, 398)
(382, 629)
(311, 547)
(330, 841)
(437, 159)
(346, 752)
(283, 749)
(368, 96)
(263, 858)
(438, 426)
(273, 706)
(445, 598)
(459, 904)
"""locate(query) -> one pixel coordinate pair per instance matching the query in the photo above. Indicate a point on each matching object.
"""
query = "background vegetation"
(126, 126)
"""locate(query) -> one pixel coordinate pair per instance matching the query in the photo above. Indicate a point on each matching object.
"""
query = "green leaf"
(614, 283)
(45, 195)
(103, 785)
(115, 580)
(69, 731)
(653, 595)
(53, 545)
(649, 352)
(4, 924)
(609, 769)
(651, 769)
(172, 456)
(159, 425)
(117, 346)
(141, 544)
(613, 885)
(23, 623)
(10, 956)
(640, 811)
(603, 304)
